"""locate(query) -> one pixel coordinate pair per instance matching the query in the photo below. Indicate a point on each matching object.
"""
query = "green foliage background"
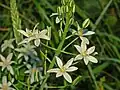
(105, 22)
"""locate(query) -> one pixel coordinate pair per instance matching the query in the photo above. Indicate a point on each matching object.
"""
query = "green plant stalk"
(58, 51)
(70, 43)
(93, 77)
(16, 22)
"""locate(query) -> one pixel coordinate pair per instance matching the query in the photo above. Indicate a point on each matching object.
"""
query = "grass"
(105, 22)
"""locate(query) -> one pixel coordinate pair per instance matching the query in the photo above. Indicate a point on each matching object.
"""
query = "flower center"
(5, 87)
(80, 32)
(84, 53)
(33, 70)
(6, 63)
(62, 69)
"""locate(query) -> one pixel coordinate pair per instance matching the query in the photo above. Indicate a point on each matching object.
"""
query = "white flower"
(34, 73)
(63, 69)
(35, 35)
(85, 53)
(25, 51)
(5, 85)
(6, 44)
(82, 32)
(6, 63)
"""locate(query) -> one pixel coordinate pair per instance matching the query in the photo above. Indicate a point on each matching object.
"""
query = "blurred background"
(105, 21)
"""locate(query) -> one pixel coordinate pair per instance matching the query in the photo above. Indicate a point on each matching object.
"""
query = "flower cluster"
(84, 53)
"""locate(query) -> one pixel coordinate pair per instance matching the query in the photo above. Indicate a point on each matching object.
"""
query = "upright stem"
(58, 50)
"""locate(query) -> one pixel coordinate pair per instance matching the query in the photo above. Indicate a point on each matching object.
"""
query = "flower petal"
(54, 70)
(67, 77)
(37, 42)
(90, 50)
(78, 57)
(59, 74)
(86, 60)
(92, 59)
(59, 62)
(78, 48)
(4, 80)
(1, 63)
(9, 57)
(89, 33)
(83, 47)
(43, 32)
(44, 37)
(72, 68)
(69, 63)
(23, 32)
(10, 69)
(84, 40)
(2, 58)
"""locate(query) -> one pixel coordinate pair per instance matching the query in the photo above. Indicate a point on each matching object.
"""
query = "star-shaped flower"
(6, 63)
(34, 73)
(7, 44)
(6, 85)
(26, 51)
(63, 69)
(82, 32)
(85, 53)
(35, 35)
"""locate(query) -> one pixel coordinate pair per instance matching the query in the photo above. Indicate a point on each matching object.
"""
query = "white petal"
(72, 68)
(3, 48)
(78, 48)
(90, 50)
(4, 80)
(67, 77)
(92, 59)
(27, 71)
(78, 57)
(23, 32)
(1, 63)
(26, 57)
(32, 79)
(88, 33)
(84, 40)
(43, 32)
(44, 37)
(19, 56)
(59, 74)
(59, 62)
(95, 53)
(11, 46)
(83, 47)
(86, 60)
(69, 63)
(2, 58)
(37, 42)
(9, 57)
(55, 70)
(10, 69)
(57, 20)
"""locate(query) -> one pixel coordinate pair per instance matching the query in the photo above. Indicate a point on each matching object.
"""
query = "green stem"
(92, 76)
(62, 51)
(58, 50)
(70, 43)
